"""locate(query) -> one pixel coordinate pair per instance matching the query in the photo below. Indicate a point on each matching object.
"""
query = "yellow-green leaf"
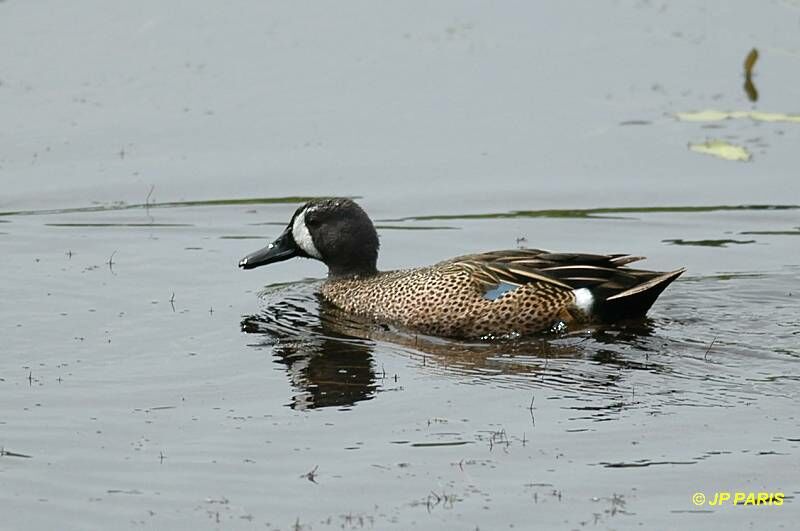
(711, 115)
(721, 149)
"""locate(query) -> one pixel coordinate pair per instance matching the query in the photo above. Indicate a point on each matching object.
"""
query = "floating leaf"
(774, 117)
(704, 116)
(721, 149)
(711, 115)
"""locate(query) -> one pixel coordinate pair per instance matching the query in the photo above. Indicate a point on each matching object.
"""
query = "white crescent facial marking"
(583, 299)
(302, 237)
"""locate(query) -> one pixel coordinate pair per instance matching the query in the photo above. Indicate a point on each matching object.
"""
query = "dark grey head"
(336, 231)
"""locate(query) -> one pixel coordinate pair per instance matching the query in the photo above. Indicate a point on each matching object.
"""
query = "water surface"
(168, 388)
(147, 382)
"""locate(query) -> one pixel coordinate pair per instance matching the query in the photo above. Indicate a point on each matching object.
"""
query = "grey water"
(146, 382)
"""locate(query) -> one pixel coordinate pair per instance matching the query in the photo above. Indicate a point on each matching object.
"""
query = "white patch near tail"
(584, 300)
(302, 236)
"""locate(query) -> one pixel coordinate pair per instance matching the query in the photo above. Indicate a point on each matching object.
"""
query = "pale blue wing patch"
(495, 292)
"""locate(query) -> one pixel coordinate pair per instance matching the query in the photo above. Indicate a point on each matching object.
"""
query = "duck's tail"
(633, 302)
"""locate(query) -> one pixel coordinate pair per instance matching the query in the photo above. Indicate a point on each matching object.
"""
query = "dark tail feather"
(634, 302)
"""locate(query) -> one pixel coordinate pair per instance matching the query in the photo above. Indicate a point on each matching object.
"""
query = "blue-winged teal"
(521, 291)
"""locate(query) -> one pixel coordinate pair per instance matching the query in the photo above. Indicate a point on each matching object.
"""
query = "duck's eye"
(312, 220)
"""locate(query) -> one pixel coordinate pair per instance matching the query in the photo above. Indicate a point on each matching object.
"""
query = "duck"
(505, 293)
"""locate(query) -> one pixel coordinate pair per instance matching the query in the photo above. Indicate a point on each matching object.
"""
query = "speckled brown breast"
(448, 300)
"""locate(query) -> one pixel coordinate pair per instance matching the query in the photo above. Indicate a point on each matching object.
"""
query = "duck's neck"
(356, 257)
(343, 271)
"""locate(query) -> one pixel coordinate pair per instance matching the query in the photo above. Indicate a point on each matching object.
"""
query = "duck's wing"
(539, 258)
(489, 275)
(570, 270)
(618, 291)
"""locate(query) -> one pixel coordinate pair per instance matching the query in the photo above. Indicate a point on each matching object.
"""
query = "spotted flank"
(499, 293)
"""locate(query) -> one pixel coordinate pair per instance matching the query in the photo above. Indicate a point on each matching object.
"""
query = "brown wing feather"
(539, 258)
(490, 274)
(606, 275)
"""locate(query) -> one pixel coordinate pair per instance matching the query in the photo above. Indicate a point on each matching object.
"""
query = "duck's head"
(335, 231)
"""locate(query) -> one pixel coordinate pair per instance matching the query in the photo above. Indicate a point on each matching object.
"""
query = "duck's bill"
(281, 249)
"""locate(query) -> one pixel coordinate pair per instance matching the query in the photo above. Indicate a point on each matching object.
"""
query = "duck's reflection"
(328, 372)
(329, 357)
(326, 368)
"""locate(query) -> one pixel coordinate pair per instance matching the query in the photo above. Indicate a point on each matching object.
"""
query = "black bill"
(283, 248)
